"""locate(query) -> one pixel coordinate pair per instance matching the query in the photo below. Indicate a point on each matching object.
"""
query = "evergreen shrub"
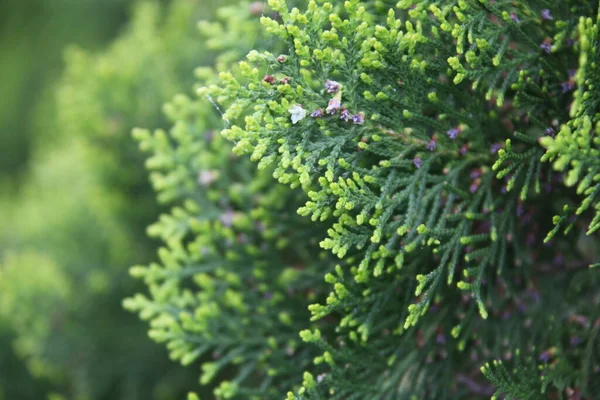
(444, 154)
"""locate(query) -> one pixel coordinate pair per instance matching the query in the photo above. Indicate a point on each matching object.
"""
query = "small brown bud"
(269, 79)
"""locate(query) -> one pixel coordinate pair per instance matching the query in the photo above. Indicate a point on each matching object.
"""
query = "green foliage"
(34, 33)
(101, 97)
(70, 232)
(238, 264)
(398, 252)
(64, 251)
(574, 150)
(414, 131)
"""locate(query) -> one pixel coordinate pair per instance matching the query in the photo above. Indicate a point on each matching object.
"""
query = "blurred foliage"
(32, 36)
(101, 97)
(69, 229)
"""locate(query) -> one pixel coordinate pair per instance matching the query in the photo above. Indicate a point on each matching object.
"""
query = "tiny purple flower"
(476, 173)
(333, 106)
(534, 295)
(567, 86)
(318, 113)
(575, 340)
(550, 131)
(473, 188)
(559, 260)
(332, 86)
(474, 356)
(572, 72)
(431, 145)
(531, 239)
(495, 147)
(463, 150)
(514, 18)
(546, 15)
(453, 133)
(440, 338)
(358, 118)
(545, 356)
(546, 46)
(417, 161)
(345, 114)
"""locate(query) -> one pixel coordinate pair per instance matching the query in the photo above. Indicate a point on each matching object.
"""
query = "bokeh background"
(75, 77)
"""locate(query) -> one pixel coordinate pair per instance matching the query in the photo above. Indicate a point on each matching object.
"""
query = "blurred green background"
(76, 76)
(33, 34)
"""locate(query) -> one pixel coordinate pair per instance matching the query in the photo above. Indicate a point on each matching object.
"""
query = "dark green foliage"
(423, 159)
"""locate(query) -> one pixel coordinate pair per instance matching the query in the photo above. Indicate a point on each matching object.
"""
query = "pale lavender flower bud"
(547, 47)
(546, 15)
(417, 162)
(332, 86)
(333, 106)
(318, 113)
(567, 86)
(453, 133)
(358, 118)
(345, 114)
